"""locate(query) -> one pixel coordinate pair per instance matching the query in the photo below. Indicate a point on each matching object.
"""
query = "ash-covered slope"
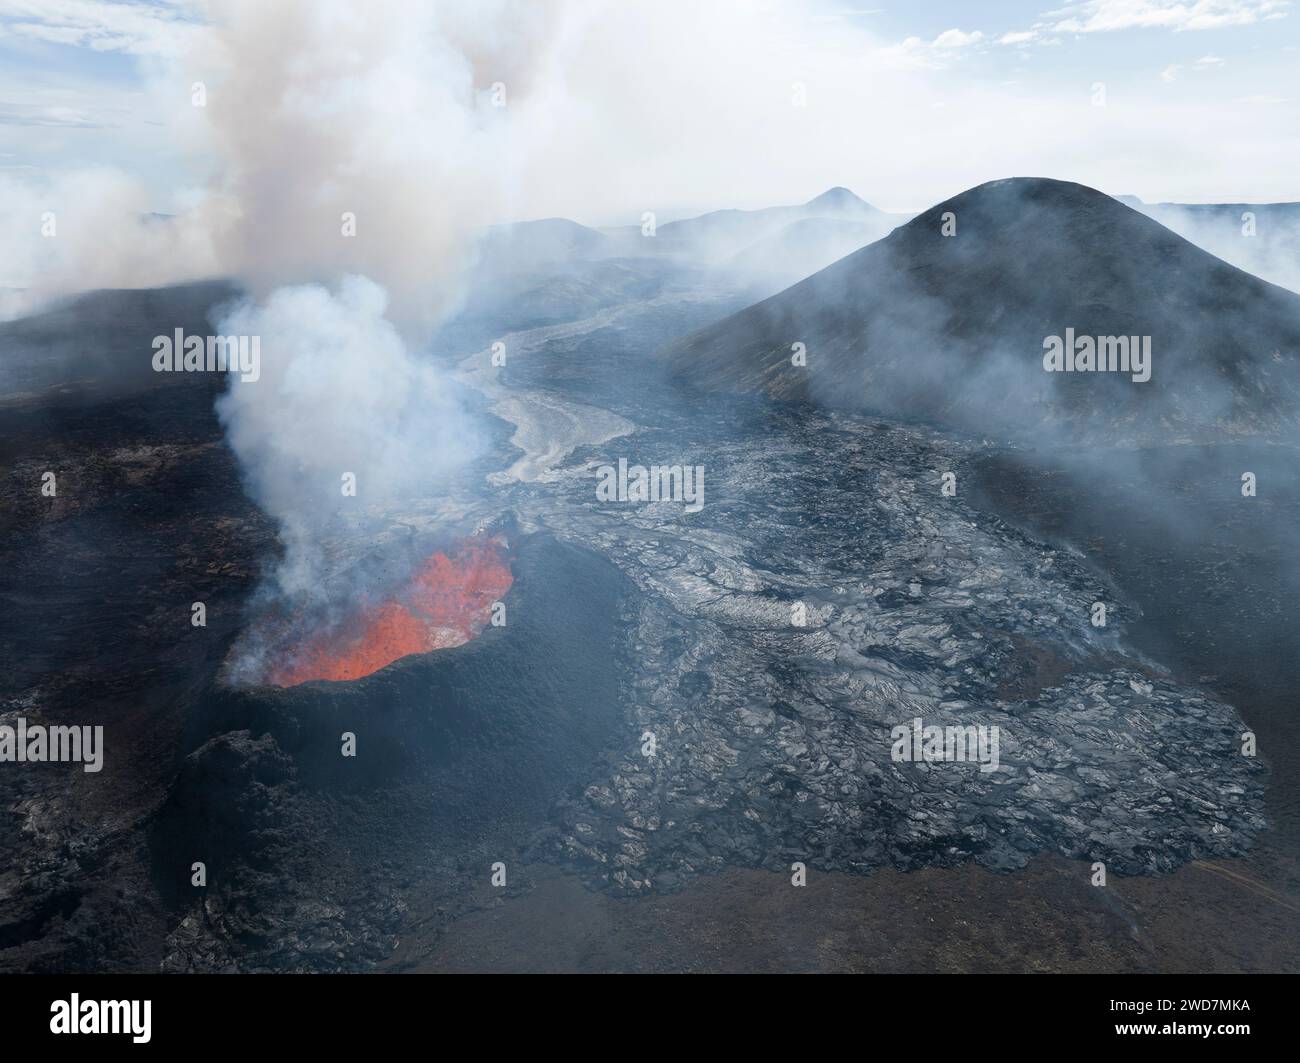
(951, 328)
(98, 344)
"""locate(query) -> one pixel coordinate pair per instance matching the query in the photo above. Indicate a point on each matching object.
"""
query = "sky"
(674, 106)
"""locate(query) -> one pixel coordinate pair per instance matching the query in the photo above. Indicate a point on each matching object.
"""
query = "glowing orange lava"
(447, 603)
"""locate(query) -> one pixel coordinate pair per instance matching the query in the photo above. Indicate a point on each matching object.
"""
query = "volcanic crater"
(460, 754)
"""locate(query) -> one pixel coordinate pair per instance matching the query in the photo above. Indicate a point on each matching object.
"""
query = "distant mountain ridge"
(721, 234)
(523, 246)
(767, 248)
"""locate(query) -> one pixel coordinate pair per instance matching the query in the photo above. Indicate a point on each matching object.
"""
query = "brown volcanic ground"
(1208, 916)
(1046, 918)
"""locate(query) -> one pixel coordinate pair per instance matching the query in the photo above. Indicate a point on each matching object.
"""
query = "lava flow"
(446, 604)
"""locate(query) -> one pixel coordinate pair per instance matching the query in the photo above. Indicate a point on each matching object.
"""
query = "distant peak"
(1130, 201)
(838, 199)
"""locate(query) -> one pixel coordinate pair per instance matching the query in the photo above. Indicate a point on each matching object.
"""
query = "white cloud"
(1206, 62)
(928, 55)
(957, 39)
(1105, 16)
(166, 28)
(27, 114)
(585, 137)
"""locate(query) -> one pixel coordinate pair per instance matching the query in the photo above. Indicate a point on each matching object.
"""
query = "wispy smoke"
(92, 228)
(1263, 239)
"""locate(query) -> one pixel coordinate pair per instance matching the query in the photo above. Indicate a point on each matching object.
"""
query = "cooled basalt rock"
(773, 735)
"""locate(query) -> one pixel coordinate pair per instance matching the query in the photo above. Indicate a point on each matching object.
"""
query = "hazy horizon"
(906, 106)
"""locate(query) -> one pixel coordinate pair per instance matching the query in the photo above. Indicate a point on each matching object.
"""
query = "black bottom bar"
(341, 1012)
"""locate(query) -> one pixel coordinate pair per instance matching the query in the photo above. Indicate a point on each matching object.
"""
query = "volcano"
(446, 603)
(673, 694)
(460, 755)
(945, 320)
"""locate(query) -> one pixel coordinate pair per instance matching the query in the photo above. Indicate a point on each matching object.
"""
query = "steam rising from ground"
(375, 155)
(355, 155)
(340, 394)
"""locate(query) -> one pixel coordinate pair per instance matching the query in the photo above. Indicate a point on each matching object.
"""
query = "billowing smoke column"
(342, 420)
(362, 151)
(354, 154)
(369, 141)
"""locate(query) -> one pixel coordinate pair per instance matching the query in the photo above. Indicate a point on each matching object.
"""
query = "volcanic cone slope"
(946, 320)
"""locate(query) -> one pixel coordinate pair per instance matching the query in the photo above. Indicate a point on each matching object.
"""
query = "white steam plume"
(339, 393)
(357, 171)
(387, 115)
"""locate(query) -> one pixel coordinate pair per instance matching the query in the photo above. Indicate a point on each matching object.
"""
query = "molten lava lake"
(448, 600)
